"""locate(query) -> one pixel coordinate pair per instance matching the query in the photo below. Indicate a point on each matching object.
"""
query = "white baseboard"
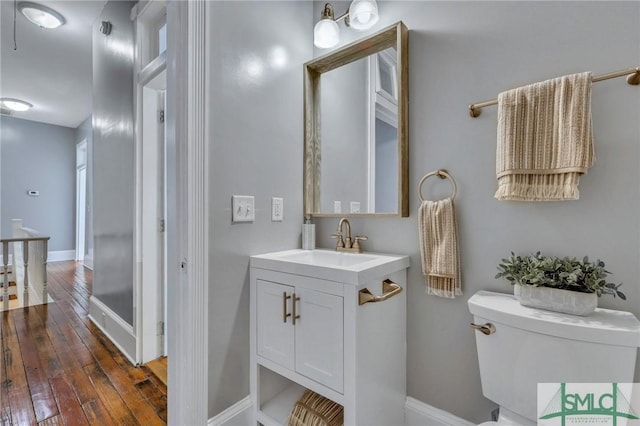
(60, 255)
(88, 261)
(239, 414)
(417, 413)
(114, 327)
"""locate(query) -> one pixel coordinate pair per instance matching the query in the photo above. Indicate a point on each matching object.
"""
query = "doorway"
(152, 221)
(81, 199)
(151, 244)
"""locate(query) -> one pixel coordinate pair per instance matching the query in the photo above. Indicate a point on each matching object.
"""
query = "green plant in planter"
(561, 273)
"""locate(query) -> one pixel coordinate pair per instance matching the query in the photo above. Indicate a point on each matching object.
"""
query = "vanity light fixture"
(40, 15)
(15, 104)
(362, 14)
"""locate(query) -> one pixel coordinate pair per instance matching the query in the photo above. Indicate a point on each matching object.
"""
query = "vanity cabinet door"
(319, 337)
(275, 334)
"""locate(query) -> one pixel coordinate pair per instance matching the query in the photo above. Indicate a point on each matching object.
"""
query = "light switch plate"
(337, 206)
(243, 208)
(355, 207)
(277, 209)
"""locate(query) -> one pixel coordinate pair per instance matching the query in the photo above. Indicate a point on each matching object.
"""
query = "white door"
(274, 329)
(162, 139)
(319, 337)
(153, 208)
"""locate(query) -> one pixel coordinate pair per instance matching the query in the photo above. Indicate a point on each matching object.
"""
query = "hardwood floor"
(159, 368)
(57, 368)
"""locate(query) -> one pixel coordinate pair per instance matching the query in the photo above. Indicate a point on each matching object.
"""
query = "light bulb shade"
(326, 33)
(363, 14)
(15, 104)
(40, 15)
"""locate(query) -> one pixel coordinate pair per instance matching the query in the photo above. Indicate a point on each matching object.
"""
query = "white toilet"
(520, 347)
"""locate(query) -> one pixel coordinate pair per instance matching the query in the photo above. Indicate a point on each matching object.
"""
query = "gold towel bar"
(633, 78)
(389, 289)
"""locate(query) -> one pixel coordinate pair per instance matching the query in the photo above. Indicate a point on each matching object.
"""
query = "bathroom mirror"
(356, 160)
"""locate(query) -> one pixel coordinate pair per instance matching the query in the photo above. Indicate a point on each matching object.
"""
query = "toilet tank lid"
(604, 326)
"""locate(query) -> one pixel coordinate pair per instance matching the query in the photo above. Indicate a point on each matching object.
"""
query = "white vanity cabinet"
(311, 346)
(309, 331)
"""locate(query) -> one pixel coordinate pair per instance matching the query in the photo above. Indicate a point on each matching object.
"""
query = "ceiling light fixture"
(40, 15)
(15, 104)
(362, 14)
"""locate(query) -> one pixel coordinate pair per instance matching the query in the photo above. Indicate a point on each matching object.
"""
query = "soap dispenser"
(308, 234)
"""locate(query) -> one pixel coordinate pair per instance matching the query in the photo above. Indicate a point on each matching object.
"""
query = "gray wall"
(465, 52)
(113, 160)
(255, 129)
(42, 157)
(85, 131)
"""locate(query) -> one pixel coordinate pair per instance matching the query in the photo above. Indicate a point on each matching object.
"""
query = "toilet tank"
(531, 346)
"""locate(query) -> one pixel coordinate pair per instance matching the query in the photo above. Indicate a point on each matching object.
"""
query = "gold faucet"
(346, 244)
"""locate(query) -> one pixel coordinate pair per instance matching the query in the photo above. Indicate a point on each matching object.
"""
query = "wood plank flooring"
(57, 368)
(159, 368)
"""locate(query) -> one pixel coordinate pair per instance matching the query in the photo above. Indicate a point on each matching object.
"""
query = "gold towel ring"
(442, 174)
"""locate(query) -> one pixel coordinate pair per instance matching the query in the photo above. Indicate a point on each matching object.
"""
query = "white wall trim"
(238, 414)
(187, 93)
(418, 413)
(88, 261)
(61, 255)
(114, 327)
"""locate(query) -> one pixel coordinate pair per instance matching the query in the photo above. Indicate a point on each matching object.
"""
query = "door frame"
(149, 277)
(81, 199)
(187, 139)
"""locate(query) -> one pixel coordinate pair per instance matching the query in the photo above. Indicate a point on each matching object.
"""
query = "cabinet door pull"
(294, 317)
(284, 306)
(389, 289)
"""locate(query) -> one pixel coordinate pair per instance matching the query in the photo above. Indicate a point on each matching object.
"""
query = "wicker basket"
(316, 410)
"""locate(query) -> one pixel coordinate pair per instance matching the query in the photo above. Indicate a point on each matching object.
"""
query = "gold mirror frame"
(395, 35)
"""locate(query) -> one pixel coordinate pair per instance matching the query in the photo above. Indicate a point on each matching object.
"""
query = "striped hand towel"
(544, 139)
(438, 232)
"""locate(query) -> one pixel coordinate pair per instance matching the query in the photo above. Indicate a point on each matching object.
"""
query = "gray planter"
(553, 299)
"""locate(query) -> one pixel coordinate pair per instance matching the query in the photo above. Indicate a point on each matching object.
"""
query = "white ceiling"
(52, 68)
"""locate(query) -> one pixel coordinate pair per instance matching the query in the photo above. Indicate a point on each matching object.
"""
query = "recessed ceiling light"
(15, 104)
(42, 16)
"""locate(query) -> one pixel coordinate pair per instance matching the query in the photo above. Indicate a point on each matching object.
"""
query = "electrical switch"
(243, 208)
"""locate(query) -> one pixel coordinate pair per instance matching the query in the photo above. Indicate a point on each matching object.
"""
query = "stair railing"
(35, 273)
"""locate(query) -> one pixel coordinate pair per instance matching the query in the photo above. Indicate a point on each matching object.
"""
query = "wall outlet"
(355, 207)
(243, 208)
(277, 209)
(337, 207)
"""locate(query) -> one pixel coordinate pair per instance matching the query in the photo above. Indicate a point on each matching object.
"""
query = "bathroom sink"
(331, 265)
(328, 258)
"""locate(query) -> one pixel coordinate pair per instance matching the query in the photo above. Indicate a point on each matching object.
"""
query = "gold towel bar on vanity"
(633, 78)
(389, 289)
